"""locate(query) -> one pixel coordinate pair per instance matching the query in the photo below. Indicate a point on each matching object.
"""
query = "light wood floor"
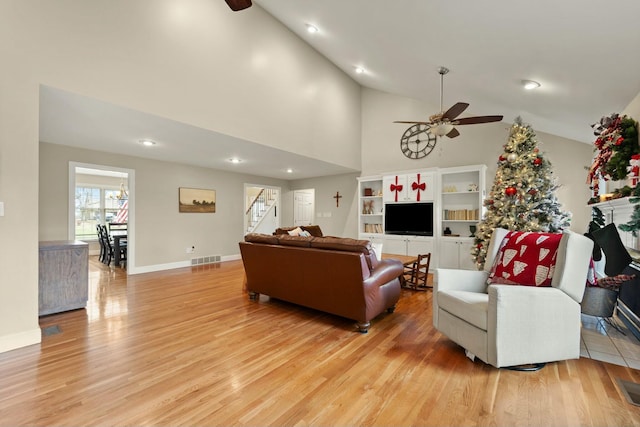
(187, 347)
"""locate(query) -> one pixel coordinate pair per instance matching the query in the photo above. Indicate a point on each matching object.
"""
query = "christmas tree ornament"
(523, 194)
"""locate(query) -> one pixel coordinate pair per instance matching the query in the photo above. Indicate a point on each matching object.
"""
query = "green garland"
(634, 222)
(624, 144)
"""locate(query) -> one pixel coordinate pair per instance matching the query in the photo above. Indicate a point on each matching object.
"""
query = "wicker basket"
(599, 302)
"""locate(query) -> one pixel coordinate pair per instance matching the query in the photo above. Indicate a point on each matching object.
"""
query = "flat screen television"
(409, 218)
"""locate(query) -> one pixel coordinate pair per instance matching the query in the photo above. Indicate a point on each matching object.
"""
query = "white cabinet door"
(448, 254)
(395, 245)
(455, 253)
(420, 187)
(419, 246)
(413, 187)
(394, 188)
(466, 261)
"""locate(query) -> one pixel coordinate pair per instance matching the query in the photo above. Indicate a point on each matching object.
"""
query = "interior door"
(303, 207)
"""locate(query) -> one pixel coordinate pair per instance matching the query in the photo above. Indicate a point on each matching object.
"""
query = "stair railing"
(260, 204)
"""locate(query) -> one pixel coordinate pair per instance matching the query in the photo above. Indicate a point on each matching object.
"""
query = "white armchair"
(507, 325)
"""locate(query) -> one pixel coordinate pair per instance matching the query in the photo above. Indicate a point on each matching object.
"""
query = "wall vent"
(206, 260)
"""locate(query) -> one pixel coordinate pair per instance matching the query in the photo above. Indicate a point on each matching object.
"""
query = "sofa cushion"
(295, 232)
(261, 238)
(468, 306)
(525, 258)
(314, 230)
(342, 244)
(300, 241)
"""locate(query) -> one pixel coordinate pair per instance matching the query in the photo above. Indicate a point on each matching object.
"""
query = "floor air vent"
(630, 390)
(51, 330)
(206, 260)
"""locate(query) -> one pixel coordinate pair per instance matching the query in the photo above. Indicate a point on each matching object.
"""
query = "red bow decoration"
(417, 186)
(395, 187)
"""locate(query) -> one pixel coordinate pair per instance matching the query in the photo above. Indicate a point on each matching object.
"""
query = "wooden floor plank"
(187, 347)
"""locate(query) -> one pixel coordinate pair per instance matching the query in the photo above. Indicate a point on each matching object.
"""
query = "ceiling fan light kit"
(441, 129)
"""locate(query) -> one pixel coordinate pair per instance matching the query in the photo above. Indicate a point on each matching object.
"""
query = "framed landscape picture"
(196, 200)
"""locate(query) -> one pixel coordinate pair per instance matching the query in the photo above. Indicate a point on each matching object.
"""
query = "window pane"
(116, 210)
(87, 212)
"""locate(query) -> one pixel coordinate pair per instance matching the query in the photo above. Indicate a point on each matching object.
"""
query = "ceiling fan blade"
(413, 123)
(455, 111)
(237, 5)
(476, 120)
(454, 132)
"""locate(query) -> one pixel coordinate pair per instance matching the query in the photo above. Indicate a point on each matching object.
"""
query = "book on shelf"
(373, 228)
(461, 214)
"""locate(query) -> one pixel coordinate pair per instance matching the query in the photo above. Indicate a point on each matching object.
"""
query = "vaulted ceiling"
(584, 54)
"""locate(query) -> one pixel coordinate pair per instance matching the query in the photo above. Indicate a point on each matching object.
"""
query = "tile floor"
(601, 341)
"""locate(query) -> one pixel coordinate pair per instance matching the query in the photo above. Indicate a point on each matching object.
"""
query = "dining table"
(406, 260)
(119, 239)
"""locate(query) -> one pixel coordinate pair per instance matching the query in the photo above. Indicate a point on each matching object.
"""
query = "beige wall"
(333, 220)
(477, 144)
(242, 74)
(161, 232)
(633, 109)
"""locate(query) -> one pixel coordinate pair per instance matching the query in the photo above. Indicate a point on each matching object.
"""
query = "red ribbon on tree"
(395, 187)
(417, 186)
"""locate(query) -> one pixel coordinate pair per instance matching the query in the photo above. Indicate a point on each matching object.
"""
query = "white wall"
(477, 144)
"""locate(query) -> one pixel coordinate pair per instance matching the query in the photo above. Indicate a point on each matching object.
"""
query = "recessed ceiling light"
(289, 170)
(234, 160)
(311, 28)
(147, 142)
(530, 84)
(359, 70)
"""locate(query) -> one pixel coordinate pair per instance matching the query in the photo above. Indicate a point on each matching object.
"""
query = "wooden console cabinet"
(63, 280)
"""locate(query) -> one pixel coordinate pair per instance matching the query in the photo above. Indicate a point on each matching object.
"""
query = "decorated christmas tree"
(523, 194)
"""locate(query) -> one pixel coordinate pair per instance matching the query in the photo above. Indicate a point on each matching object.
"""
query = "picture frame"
(196, 200)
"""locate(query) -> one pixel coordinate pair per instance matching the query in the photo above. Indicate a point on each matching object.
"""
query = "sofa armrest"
(461, 280)
(456, 280)
(527, 323)
(384, 272)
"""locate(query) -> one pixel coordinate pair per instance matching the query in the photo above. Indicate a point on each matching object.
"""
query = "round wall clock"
(417, 142)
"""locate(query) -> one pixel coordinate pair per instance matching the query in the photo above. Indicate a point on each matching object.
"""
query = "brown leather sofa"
(336, 275)
(314, 230)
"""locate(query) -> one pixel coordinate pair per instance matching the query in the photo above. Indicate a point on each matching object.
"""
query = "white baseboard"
(172, 265)
(21, 339)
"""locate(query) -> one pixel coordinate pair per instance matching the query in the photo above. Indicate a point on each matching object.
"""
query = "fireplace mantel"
(619, 211)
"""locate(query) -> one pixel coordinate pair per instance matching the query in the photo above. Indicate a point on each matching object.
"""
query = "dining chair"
(100, 242)
(120, 227)
(105, 243)
(416, 274)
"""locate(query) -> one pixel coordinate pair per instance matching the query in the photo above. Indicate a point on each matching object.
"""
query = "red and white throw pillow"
(525, 258)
